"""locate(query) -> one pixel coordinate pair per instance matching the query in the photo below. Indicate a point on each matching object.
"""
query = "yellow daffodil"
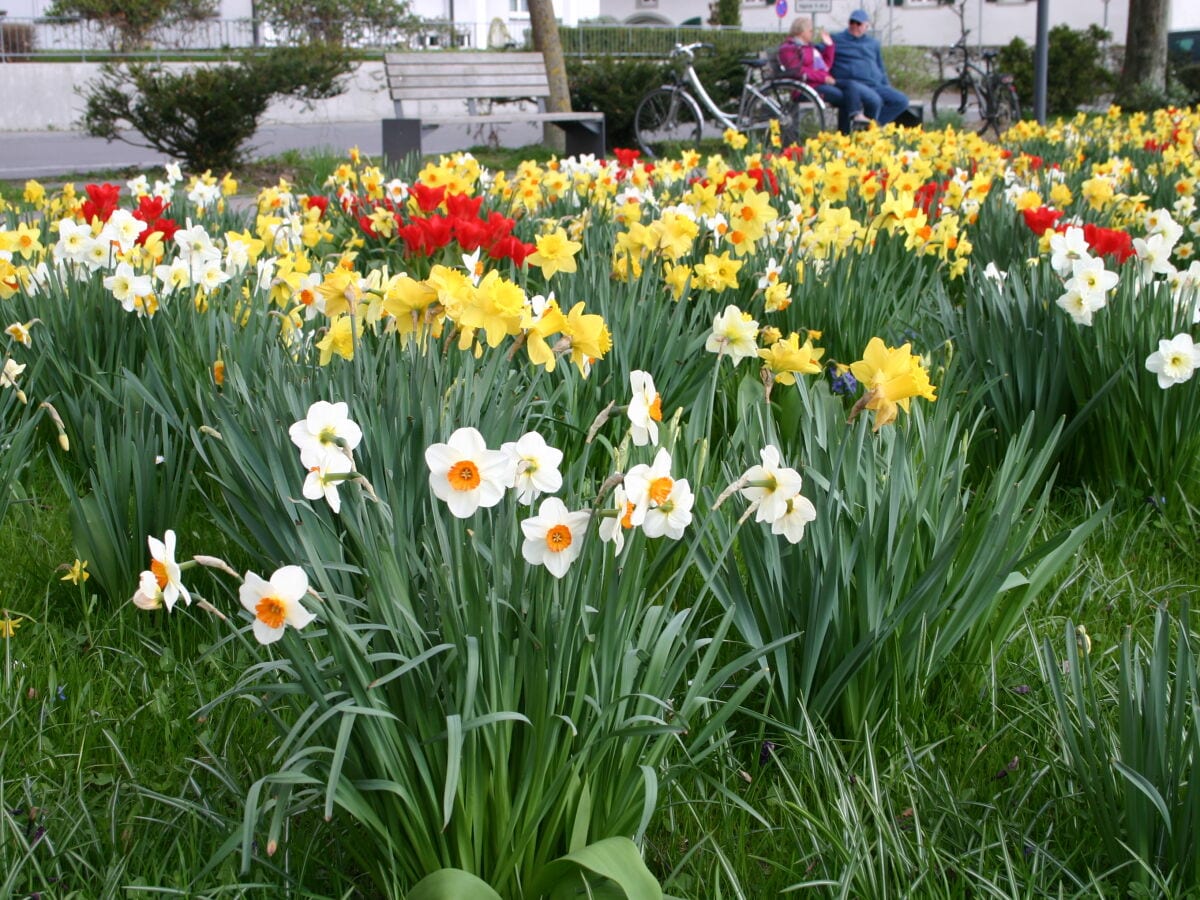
(788, 358)
(8, 625)
(892, 376)
(555, 253)
(77, 572)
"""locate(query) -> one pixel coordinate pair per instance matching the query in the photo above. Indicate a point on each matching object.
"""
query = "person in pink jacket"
(811, 63)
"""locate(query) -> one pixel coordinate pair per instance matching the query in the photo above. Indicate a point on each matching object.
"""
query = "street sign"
(781, 8)
(812, 6)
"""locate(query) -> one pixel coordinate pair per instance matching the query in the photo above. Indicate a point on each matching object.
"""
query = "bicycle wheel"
(1008, 109)
(793, 104)
(667, 122)
(959, 103)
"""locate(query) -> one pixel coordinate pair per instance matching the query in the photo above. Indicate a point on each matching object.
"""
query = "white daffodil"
(195, 244)
(671, 515)
(127, 285)
(1066, 248)
(770, 275)
(473, 265)
(799, 513)
(327, 468)
(149, 595)
(210, 275)
(645, 409)
(1160, 221)
(326, 425)
(646, 484)
(554, 537)
(173, 276)
(1155, 253)
(613, 527)
(1080, 306)
(1088, 276)
(122, 229)
(533, 467)
(734, 334)
(662, 504)
(1174, 361)
(465, 474)
(770, 485)
(166, 570)
(74, 238)
(276, 603)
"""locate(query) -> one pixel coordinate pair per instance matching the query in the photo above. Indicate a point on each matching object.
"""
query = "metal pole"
(1041, 61)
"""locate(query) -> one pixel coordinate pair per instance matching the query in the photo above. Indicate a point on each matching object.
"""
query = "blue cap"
(860, 15)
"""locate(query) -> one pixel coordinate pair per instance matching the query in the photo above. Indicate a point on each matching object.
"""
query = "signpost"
(812, 6)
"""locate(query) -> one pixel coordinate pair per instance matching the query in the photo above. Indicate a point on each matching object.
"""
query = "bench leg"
(584, 137)
(400, 138)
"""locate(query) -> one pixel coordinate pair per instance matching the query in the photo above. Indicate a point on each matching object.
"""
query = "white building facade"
(926, 23)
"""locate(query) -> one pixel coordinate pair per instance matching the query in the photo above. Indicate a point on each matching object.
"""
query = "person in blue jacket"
(859, 59)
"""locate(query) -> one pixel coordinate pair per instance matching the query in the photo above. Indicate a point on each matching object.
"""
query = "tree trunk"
(546, 39)
(1145, 48)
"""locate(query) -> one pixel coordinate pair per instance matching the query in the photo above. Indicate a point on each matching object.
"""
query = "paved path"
(42, 154)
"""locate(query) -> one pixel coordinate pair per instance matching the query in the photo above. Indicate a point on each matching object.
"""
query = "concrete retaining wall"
(45, 97)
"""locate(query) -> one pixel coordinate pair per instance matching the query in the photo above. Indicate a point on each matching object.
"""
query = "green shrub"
(205, 116)
(614, 87)
(1186, 77)
(131, 24)
(725, 12)
(1077, 75)
(595, 42)
(908, 69)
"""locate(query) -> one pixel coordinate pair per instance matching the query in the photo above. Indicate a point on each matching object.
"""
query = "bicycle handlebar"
(690, 49)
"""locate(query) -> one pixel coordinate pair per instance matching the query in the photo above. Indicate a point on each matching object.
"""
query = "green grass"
(965, 796)
(109, 778)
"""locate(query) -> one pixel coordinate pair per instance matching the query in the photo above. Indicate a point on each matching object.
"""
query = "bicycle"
(669, 118)
(983, 98)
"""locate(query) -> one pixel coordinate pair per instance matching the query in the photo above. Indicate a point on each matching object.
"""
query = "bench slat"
(499, 118)
(457, 58)
(435, 79)
(477, 76)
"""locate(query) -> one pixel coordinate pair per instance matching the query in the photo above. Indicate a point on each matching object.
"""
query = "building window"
(518, 6)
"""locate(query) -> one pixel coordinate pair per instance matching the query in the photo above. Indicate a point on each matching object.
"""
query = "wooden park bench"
(472, 77)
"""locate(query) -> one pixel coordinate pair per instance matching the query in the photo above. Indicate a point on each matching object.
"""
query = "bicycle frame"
(988, 80)
(689, 82)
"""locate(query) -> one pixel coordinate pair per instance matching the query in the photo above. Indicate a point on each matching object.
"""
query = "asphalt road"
(44, 154)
